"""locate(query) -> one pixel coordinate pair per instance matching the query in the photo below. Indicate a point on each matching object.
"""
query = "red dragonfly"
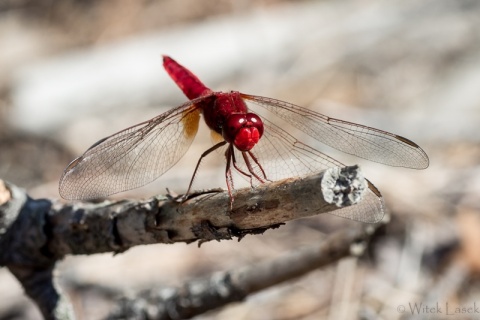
(255, 147)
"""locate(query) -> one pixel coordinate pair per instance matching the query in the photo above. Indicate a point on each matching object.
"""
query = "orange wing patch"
(216, 137)
(190, 120)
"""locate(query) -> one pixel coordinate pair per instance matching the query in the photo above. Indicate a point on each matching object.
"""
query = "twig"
(219, 289)
(34, 234)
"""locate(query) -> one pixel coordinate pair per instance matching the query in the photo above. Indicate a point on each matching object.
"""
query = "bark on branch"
(34, 234)
(219, 289)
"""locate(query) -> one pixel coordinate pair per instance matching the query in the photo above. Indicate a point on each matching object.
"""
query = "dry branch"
(34, 234)
(219, 289)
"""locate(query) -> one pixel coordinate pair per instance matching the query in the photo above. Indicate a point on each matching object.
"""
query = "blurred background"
(75, 71)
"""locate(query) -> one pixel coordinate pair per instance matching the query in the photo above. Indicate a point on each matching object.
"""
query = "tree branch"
(34, 234)
(202, 295)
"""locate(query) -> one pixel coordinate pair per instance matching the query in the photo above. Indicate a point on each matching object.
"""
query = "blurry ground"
(75, 71)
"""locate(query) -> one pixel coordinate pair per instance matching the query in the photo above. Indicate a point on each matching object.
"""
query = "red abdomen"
(225, 113)
(187, 81)
(217, 107)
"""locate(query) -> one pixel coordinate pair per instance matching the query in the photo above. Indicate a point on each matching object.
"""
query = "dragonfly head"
(243, 130)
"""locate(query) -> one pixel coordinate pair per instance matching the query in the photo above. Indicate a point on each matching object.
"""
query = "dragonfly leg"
(259, 165)
(229, 154)
(234, 161)
(207, 152)
(250, 168)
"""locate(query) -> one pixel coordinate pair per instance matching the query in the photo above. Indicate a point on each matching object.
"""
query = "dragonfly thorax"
(243, 130)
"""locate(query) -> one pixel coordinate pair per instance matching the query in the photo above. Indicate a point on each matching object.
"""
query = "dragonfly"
(255, 147)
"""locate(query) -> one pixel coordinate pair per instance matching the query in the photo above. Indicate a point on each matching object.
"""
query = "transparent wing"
(281, 156)
(132, 157)
(362, 141)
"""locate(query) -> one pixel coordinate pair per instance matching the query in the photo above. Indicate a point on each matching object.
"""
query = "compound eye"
(254, 121)
(243, 130)
(234, 123)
